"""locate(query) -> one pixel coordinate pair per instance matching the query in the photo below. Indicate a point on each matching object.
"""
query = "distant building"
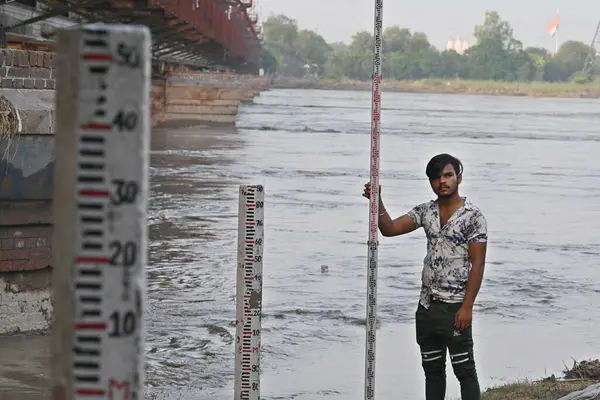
(458, 45)
(311, 70)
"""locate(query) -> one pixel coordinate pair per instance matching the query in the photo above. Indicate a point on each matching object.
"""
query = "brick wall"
(23, 69)
(25, 279)
(25, 248)
(25, 266)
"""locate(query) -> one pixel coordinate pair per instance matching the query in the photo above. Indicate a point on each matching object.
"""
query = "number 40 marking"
(126, 120)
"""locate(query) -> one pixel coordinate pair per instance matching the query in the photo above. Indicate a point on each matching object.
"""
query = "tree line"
(496, 55)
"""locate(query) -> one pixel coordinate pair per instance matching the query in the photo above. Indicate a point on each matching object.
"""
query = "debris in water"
(589, 369)
(172, 364)
(10, 123)
(219, 331)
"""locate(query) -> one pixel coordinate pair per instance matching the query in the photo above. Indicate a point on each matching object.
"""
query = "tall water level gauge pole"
(100, 202)
(373, 242)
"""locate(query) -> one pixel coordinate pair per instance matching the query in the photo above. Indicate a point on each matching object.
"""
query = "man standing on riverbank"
(456, 233)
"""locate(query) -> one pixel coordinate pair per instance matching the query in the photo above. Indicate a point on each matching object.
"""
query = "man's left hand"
(463, 318)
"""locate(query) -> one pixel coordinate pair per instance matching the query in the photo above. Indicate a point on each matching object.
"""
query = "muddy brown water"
(530, 164)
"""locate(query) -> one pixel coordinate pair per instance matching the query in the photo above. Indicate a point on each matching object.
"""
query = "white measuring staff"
(373, 243)
(251, 216)
(100, 202)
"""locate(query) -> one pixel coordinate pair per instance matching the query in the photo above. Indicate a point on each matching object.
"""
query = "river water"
(529, 165)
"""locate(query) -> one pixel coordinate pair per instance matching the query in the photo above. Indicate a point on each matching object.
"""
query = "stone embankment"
(27, 83)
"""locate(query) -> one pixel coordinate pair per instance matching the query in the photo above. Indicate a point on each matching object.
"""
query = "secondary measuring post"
(100, 203)
(373, 243)
(251, 216)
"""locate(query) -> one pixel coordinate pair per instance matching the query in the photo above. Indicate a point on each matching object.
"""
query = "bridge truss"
(216, 34)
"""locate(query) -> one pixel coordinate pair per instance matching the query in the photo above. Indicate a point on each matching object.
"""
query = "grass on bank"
(579, 377)
(9, 126)
(9, 123)
(459, 86)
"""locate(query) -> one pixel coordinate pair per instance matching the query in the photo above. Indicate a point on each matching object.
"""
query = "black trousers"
(436, 335)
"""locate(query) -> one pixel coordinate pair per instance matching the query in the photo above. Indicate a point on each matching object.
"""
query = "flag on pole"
(553, 27)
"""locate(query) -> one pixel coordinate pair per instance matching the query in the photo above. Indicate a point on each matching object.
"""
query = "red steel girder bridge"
(215, 34)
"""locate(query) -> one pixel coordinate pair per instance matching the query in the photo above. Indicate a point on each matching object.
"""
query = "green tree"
(538, 57)
(553, 71)
(539, 51)
(293, 48)
(336, 66)
(496, 30)
(396, 39)
(571, 57)
(281, 31)
(497, 55)
(268, 61)
(488, 60)
(360, 56)
(407, 55)
(280, 36)
(419, 42)
(454, 65)
(312, 48)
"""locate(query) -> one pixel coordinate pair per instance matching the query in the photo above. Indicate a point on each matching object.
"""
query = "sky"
(337, 20)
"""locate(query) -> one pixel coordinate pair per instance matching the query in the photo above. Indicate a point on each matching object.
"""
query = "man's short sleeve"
(477, 229)
(417, 214)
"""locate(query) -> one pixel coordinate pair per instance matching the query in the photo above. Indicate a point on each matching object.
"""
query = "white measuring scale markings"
(249, 292)
(100, 202)
(373, 243)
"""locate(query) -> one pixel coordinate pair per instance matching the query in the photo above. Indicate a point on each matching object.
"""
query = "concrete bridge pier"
(204, 97)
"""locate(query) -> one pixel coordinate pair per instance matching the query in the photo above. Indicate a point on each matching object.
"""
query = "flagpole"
(556, 33)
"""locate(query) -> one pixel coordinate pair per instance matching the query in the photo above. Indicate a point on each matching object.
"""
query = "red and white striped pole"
(373, 242)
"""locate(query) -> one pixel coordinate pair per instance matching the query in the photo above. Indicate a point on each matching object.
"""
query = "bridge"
(218, 35)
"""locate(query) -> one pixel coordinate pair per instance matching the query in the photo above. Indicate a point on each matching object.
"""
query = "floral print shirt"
(447, 264)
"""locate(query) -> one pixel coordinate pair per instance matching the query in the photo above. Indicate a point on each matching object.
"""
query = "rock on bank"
(27, 82)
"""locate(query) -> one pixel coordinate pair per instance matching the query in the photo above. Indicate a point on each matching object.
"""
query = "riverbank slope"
(582, 375)
(451, 86)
